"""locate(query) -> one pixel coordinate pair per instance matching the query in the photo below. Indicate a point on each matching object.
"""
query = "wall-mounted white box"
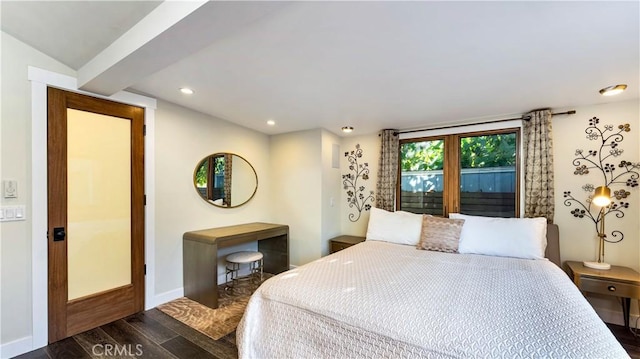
(10, 188)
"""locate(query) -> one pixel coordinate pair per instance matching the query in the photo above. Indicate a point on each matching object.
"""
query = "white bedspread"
(382, 300)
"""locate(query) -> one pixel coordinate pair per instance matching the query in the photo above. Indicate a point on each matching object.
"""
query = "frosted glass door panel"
(99, 203)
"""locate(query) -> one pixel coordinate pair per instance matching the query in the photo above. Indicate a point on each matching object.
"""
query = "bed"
(384, 299)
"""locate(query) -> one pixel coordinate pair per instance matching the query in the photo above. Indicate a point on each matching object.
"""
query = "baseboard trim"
(165, 297)
(16, 347)
(615, 317)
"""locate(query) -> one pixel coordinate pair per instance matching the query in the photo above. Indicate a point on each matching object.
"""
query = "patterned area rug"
(215, 323)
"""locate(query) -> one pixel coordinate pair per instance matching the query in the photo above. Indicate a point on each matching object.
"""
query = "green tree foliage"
(201, 173)
(476, 152)
(422, 156)
(488, 151)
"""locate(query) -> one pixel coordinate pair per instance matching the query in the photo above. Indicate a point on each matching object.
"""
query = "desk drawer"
(337, 246)
(610, 288)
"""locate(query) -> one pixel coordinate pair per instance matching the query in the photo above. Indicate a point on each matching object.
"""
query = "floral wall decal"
(617, 174)
(356, 192)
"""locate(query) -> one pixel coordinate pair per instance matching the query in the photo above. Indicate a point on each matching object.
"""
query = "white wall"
(296, 191)
(15, 243)
(182, 138)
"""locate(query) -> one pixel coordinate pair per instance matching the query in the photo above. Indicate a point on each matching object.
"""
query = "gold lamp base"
(602, 198)
(597, 265)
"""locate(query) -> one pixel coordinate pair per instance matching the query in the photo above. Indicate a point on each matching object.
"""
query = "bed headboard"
(553, 244)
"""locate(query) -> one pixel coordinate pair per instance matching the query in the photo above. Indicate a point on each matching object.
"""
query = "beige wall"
(243, 181)
(15, 241)
(577, 236)
(331, 191)
(579, 241)
(306, 190)
(370, 145)
(296, 192)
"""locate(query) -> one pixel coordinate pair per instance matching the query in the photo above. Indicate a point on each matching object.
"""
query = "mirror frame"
(195, 172)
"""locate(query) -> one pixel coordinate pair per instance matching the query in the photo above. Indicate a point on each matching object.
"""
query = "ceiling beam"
(171, 32)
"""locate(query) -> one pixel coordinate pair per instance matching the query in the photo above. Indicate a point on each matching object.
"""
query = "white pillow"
(503, 237)
(395, 227)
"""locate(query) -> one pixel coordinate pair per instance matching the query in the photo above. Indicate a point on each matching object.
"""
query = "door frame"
(40, 80)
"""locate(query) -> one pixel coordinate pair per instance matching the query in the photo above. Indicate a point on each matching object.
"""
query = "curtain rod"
(523, 118)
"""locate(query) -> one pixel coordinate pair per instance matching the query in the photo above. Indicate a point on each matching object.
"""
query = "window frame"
(452, 167)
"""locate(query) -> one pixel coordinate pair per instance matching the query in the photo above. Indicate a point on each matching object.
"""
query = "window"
(211, 188)
(471, 173)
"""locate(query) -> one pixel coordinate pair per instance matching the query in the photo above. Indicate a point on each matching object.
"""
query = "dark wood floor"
(153, 334)
(630, 343)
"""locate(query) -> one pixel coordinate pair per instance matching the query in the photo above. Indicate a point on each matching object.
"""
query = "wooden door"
(95, 212)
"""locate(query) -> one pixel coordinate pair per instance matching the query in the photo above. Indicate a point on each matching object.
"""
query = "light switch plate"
(12, 213)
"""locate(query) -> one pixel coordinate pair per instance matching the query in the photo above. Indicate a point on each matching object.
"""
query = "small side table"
(621, 282)
(341, 242)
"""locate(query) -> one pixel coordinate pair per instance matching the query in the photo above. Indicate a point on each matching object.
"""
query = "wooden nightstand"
(341, 242)
(621, 282)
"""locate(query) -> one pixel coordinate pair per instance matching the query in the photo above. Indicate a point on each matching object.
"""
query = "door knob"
(59, 234)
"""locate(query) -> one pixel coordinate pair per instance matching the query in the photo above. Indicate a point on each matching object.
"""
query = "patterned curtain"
(228, 165)
(538, 175)
(388, 170)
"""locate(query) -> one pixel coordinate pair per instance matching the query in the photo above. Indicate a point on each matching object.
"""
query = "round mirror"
(225, 180)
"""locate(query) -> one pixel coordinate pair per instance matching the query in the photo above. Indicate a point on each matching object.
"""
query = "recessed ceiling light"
(186, 91)
(271, 123)
(613, 90)
(347, 129)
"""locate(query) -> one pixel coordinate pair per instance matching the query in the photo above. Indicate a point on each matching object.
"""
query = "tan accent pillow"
(440, 234)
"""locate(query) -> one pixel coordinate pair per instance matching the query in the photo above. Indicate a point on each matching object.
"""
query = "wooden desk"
(621, 282)
(200, 255)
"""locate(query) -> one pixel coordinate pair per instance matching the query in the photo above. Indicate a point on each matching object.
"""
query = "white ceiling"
(370, 65)
(72, 32)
